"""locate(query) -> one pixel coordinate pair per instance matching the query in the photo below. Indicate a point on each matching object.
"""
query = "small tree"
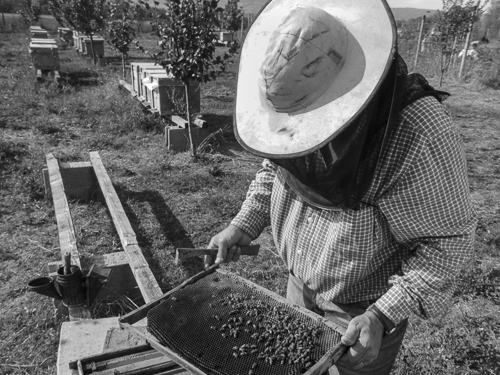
(121, 28)
(85, 16)
(232, 17)
(56, 10)
(187, 41)
(453, 22)
(29, 10)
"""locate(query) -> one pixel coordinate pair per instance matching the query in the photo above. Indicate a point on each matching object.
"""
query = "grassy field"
(173, 202)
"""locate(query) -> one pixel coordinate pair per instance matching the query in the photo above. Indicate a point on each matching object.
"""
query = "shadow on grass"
(172, 229)
(88, 78)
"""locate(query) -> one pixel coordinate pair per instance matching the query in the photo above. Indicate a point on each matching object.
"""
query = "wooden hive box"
(36, 28)
(144, 93)
(165, 92)
(67, 35)
(37, 34)
(75, 39)
(135, 74)
(225, 36)
(81, 44)
(43, 41)
(98, 46)
(44, 56)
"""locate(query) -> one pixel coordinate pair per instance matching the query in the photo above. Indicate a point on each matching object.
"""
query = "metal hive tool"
(225, 326)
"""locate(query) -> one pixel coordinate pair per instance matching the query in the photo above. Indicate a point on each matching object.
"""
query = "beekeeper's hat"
(307, 69)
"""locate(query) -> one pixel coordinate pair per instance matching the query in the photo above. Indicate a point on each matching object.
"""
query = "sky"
(420, 4)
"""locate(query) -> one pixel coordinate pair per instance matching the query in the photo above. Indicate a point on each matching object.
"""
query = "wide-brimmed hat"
(307, 69)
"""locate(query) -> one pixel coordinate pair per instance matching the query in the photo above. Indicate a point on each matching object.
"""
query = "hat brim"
(372, 41)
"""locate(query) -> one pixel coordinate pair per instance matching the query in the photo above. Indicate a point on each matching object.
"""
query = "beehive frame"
(128, 320)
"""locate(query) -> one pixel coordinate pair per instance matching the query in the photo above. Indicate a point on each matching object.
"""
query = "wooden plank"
(145, 279)
(127, 86)
(123, 227)
(67, 238)
(111, 355)
(179, 121)
(143, 275)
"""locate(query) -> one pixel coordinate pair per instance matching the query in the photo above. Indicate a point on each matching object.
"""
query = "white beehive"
(167, 94)
(44, 56)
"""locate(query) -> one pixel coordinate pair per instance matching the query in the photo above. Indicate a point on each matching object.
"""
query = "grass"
(173, 202)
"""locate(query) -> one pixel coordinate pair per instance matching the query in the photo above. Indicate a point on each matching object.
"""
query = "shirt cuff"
(395, 305)
(251, 222)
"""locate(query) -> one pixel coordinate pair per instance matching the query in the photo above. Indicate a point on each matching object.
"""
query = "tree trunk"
(92, 48)
(123, 65)
(419, 43)
(188, 114)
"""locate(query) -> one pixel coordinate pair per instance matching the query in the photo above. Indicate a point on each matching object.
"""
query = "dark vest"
(332, 192)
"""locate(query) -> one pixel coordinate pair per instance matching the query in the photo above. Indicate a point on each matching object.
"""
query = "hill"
(403, 14)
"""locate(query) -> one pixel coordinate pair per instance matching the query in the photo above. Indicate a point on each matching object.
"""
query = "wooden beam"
(127, 86)
(179, 121)
(67, 239)
(143, 275)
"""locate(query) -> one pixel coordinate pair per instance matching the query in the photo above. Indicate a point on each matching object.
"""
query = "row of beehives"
(165, 95)
(82, 44)
(43, 50)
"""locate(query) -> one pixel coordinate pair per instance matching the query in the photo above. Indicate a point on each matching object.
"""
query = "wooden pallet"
(81, 180)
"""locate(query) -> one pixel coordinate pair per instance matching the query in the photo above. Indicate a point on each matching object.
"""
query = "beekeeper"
(364, 181)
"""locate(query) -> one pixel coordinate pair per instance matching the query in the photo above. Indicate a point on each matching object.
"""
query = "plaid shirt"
(406, 243)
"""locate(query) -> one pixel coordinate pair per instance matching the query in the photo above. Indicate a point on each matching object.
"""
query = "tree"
(232, 17)
(491, 21)
(56, 10)
(85, 16)
(29, 10)
(453, 22)
(121, 28)
(187, 41)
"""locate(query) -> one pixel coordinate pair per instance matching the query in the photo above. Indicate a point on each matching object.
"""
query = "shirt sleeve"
(254, 214)
(430, 215)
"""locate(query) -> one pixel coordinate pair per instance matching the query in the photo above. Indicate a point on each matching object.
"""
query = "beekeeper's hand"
(228, 244)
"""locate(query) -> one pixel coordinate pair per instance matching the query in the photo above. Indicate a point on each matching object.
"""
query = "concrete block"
(177, 139)
(91, 337)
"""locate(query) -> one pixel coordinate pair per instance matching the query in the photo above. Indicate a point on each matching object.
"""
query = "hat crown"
(304, 56)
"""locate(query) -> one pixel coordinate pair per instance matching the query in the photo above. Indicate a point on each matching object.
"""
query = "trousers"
(341, 314)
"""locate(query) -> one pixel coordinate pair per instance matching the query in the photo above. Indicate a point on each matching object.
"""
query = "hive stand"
(83, 336)
(81, 180)
(149, 82)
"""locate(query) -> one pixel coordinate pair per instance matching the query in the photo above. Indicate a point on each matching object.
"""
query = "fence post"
(419, 44)
(467, 40)
(464, 55)
(453, 53)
